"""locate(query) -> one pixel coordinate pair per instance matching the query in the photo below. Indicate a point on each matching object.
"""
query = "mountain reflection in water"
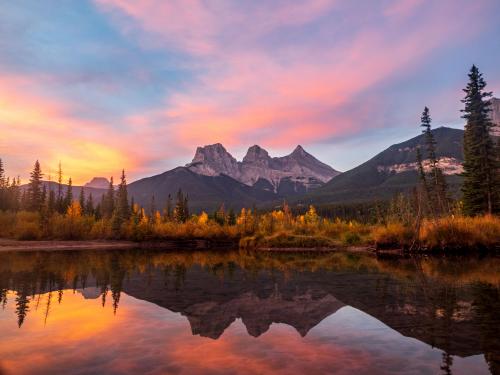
(86, 310)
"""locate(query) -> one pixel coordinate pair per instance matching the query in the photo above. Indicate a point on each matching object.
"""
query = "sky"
(102, 85)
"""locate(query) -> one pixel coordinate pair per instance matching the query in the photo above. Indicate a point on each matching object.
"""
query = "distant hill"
(96, 193)
(391, 171)
(204, 192)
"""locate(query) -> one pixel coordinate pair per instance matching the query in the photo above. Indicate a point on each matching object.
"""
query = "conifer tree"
(14, 196)
(168, 209)
(180, 211)
(34, 199)
(437, 187)
(480, 165)
(51, 202)
(2, 174)
(89, 206)
(108, 203)
(231, 217)
(69, 195)
(152, 208)
(60, 198)
(81, 199)
(123, 208)
(4, 185)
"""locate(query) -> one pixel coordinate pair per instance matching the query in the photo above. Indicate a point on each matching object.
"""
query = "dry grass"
(392, 235)
(269, 230)
(461, 232)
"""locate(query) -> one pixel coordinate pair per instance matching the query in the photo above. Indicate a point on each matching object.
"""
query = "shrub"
(350, 238)
(27, 226)
(392, 234)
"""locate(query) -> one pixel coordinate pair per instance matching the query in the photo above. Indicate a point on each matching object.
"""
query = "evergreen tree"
(14, 195)
(60, 198)
(4, 186)
(123, 208)
(44, 194)
(81, 199)
(152, 208)
(180, 210)
(108, 203)
(437, 187)
(89, 206)
(2, 174)
(480, 164)
(34, 199)
(231, 217)
(68, 199)
(167, 215)
(51, 203)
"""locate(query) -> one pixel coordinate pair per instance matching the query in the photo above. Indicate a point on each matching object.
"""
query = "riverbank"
(270, 232)
(55, 245)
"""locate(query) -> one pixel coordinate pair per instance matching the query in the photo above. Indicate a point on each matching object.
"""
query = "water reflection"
(342, 306)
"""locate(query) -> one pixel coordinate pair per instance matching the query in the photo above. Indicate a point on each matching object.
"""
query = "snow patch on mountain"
(449, 166)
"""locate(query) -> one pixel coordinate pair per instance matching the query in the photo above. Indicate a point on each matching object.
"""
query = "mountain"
(204, 192)
(298, 172)
(76, 190)
(391, 171)
(98, 183)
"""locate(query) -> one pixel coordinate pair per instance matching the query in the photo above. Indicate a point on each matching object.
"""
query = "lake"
(152, 312)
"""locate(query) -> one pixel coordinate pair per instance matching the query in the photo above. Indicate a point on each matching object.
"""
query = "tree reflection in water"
(448, 303)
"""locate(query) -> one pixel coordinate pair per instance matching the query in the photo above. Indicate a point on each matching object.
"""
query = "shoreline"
(8, 245)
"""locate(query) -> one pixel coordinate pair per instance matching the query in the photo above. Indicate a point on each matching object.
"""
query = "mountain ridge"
(299, 171)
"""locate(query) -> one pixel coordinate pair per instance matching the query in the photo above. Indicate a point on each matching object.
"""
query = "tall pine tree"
(480, 169)
(437, 184)
(68, 199)
(122, 210)
(35, 199)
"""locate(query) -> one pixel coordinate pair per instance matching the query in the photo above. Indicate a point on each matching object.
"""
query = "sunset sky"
(108, 84)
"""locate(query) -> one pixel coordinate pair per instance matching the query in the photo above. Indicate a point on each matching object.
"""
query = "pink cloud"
(248, 92)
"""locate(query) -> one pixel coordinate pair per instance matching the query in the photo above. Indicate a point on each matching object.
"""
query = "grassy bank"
(277, 229)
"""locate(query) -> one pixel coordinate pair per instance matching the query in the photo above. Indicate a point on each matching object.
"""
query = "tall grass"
(274, 229)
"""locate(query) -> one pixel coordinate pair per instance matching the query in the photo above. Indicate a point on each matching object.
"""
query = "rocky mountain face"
(297, 172)
(97, 183)
(392, 171)
(495, 116)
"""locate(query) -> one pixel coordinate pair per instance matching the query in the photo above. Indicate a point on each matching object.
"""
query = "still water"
(147, 312)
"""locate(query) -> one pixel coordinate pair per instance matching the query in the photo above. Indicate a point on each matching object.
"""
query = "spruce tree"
(437, 187)
(81, 199)
(180, 214)
(122, 210)
(68, 199)
(480, 169)
(123, 207)
(51, 203)
(89, 206)
(60, 198)
(34, 199)
(4, 185)
(167, 216)
(109, 200)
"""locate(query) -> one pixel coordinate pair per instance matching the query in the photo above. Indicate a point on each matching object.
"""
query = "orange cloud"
(36, 127)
